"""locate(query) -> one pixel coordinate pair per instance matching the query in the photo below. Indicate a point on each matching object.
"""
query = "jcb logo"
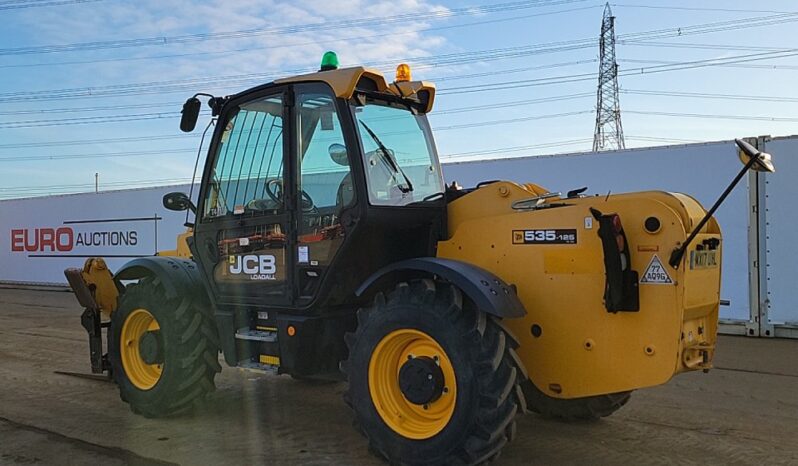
(261, 267)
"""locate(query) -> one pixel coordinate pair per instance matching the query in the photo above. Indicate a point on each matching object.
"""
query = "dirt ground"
(743, 412)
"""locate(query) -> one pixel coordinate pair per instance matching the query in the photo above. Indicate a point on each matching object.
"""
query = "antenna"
(609, 132)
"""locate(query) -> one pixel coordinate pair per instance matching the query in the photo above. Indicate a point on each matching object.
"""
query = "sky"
(96, 86)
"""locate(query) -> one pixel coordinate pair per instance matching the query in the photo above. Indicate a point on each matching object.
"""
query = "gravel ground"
(743, 412)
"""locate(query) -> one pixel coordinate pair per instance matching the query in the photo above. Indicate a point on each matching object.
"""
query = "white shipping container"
(778, 219)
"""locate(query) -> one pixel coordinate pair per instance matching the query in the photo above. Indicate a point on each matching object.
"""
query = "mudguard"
(489, 292)
(181, 278)
(177, 276)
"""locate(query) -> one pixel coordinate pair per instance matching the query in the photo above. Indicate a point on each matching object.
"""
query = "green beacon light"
(329, 61)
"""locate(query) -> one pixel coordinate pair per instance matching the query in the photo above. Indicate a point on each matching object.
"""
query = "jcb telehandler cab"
(327, 245)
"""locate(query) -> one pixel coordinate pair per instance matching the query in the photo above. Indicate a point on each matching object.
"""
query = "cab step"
(256, 335)
(259, 367)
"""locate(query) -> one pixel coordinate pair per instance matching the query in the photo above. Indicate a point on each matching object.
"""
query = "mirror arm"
(678, 253)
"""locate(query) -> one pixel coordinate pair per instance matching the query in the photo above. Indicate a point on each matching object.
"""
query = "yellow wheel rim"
(410, 420)
(144, 376)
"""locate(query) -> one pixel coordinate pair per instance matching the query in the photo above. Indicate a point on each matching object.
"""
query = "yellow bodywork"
(100, 281)
(181, 250)
(582, 349)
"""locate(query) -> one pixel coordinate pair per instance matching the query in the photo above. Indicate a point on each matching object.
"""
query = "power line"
(716, 117)
(676, 66)
(448, 59)
(18, 5)
(705, 95)
(511, 120)
(88, 120)
(689, 45)
(177, 104)
(20, 189)
(104, 108)
(82, 142)
(282, 30)
(767, 66)
(630, 72)
(229, 80)
(30, 158)
(179, 86)
(276, 46)
(515, 149)
(133, 183)
(493, 105)
(682, 8)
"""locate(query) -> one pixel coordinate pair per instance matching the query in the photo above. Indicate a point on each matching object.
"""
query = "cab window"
(325, 180)
(248, 170)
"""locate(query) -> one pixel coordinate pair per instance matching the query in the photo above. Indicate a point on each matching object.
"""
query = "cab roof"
(344, 81)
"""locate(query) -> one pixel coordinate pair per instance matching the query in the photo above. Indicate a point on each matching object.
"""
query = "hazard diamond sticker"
(656, 274)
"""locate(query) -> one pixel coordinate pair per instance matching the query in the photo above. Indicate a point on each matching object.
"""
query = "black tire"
(484, 362)
(588, 408)
(190, 349)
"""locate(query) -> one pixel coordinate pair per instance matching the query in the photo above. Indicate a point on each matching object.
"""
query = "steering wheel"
(274, 189)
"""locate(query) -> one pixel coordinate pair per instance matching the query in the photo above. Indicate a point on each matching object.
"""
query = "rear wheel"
(576, 409)
(163, 352)
(432, 381)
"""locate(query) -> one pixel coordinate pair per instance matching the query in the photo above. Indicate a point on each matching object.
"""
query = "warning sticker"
(656, 273)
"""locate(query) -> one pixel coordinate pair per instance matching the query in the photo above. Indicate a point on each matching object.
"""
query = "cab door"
(242, 236)
(324, 183)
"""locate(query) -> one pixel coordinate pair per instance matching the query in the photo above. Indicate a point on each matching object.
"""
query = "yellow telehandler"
(326, 245)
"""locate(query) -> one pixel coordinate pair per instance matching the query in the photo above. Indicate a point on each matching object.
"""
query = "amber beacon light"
(403, 72)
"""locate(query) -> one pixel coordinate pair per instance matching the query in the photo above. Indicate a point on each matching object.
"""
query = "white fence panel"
(43, 236)
(700, 170)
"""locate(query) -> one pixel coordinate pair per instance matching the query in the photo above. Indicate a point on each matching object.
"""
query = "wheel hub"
(421, 380)
(412, 383)
(151, 347)
(140, 326)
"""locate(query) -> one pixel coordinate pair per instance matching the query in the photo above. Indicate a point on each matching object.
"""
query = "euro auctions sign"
(65, 239)
(40, 237)
(74, 239)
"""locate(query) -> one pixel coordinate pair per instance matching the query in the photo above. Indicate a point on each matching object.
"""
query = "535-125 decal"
(555, 236)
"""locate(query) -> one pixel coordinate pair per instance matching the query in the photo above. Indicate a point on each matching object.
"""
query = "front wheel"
(431, 380)
(163, 352)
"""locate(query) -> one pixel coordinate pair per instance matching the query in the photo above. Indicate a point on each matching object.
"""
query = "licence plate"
(703, 259)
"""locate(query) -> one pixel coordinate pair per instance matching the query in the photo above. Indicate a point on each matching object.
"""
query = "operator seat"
(345, 193)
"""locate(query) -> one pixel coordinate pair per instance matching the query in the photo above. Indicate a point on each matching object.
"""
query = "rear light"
(620, 239)
(616, 223)
(621, 290)
(620, 242)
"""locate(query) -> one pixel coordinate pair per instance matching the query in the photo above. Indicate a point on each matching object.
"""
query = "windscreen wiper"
(391, 162)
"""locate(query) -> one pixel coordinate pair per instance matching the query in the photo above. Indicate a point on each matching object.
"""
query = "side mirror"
(178, 202)
(338, 154)
(191, 109)
(764, 161)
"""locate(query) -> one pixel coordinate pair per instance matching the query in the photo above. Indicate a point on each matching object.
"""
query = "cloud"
(262, 53)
